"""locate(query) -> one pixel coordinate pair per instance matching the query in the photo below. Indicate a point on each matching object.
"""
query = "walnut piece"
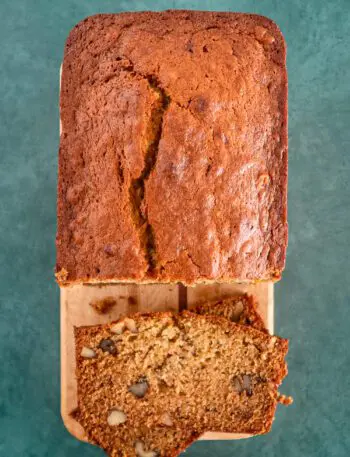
(140, 450)
(236, 312)
(116, 417)
(118, 328)
(88, 353)
(108, 345)
(263, 36)
(130, 325)
(167, 420)
(243, 383)
(140, 388)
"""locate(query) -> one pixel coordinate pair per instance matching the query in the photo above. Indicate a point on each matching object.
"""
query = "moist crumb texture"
(154, 383)
(173, 150)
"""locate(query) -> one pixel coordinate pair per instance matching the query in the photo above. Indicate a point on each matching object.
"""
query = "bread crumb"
(61, 275)
(103, 305)
(285, 400)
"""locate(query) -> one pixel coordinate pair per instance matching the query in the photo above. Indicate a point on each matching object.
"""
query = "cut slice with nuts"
(130, 325)
(118, 328)
(88, 353)
(139, 389)
(116, 417)
(141, 452)
(167, 420)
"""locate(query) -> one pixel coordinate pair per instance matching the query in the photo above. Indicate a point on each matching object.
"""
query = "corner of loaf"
(173, 149)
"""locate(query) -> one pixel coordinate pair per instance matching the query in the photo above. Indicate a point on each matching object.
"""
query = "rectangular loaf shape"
(173, 149)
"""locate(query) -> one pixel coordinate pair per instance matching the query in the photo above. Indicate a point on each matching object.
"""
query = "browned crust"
(62, 278)
(191, 266)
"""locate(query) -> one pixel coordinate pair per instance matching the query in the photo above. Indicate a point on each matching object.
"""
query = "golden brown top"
(173, 151)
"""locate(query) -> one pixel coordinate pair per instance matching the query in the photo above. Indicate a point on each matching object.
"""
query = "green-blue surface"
(313, 299)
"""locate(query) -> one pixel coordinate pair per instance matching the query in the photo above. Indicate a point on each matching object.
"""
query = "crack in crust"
(137, 186)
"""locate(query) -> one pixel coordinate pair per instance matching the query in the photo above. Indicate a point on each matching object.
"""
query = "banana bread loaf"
(154, 383)
(173, 150)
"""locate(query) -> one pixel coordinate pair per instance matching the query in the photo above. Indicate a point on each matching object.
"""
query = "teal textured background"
(312, 300)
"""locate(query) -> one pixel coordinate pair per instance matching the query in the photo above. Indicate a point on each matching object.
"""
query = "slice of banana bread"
(240, 309)
(151, 384)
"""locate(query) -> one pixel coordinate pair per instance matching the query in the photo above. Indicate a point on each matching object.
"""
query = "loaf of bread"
(149, 385)
(241, 309)
(173, 150)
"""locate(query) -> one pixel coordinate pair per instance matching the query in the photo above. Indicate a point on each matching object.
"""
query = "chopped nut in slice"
(139, 389)
(116, 417)
(236, 312)
(167, 420)
(88, 353)
(243, 383)
(247, 384)
(131, 325)
(141, 452)
(118, 328)
(108, 345)
(263, 36)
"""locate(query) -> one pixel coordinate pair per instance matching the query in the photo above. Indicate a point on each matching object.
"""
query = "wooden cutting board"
(76, 310)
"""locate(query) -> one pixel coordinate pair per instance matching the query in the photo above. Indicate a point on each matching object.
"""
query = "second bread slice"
(240, 309)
